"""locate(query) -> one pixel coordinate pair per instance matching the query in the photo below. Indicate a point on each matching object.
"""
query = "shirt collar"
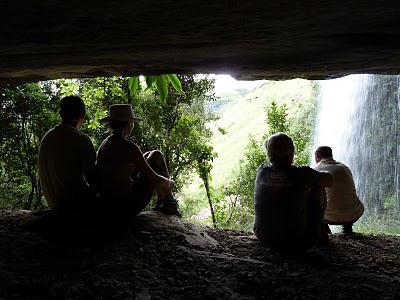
(68, 127)
(327, 160)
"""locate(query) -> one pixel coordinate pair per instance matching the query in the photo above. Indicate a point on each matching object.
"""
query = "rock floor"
(162, 257)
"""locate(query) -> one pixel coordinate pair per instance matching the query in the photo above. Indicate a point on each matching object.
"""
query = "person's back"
(343, 205)
(115, 167)
(281, 204)
(66, 164)
(62, 158)
(287, 203)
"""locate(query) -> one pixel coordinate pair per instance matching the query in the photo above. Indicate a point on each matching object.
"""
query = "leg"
(315, 215)
(165, 203)
(156, 161)
(347, 229)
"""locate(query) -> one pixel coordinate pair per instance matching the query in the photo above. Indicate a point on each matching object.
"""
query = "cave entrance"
(357, 115)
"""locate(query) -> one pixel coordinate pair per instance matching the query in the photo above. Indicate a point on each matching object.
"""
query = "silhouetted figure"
(287, 201)
(67, 160)
(343, 206)
(127, 177)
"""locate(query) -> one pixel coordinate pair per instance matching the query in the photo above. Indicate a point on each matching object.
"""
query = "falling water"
(358, 116)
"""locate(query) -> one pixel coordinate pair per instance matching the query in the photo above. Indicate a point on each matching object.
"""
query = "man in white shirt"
(67, 160)
(343, 206)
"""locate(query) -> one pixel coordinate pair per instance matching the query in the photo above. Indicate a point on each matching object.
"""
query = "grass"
(384, 224)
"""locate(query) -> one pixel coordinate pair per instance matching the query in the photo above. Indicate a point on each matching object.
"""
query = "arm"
(88, 160)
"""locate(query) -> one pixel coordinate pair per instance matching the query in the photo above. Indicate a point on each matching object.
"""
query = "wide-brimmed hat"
(120, 112)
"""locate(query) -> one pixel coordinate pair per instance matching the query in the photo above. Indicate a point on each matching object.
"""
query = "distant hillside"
(245, 116)
(226, 100)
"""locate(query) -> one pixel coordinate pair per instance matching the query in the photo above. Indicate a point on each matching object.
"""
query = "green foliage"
(27, 112)
(222, 131)
(277, 118)
(204, 157)
(299, 128)
(235, 205)
(159, 83)
(133, 84)
(176, 125)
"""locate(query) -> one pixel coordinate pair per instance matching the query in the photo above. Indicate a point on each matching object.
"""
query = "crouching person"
(288, 200)
(343, 205)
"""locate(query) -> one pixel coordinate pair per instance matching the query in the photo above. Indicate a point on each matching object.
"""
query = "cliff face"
(250, 39)
(162, 257)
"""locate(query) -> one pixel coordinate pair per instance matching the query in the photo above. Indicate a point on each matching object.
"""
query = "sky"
(226, 83)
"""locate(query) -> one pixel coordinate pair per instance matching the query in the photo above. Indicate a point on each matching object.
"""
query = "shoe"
(168, 207)
(158, 205)
(347, 229)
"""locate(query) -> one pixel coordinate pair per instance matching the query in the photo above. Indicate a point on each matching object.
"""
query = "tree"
(204, 157)
(28, 111)
(277, 118)
(176, 126)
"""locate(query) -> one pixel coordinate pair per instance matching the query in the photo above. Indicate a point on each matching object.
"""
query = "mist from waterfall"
(358, 116)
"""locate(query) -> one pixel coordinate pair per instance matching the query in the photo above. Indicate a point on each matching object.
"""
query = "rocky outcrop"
(249, 39)
(162, 257)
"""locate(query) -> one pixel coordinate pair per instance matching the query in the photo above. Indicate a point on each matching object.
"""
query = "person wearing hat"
(127, 178)
(287, 201)
(67, 161)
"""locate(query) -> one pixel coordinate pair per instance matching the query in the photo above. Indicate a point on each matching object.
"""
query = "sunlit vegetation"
(212, 143)
(174, 122)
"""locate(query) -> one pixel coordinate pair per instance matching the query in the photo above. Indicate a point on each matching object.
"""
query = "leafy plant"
(159, 83)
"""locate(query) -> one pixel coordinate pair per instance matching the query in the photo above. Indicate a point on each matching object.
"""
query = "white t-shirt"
(343, 205)
(66, 164)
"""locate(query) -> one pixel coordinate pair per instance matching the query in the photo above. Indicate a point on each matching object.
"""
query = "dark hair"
(280, 149)
(324, 152)
(118, 127)
(71, 109)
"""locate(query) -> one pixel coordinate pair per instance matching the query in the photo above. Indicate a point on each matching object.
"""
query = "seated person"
(67, 160)
(127, 177)
(343, 206)
(287, 200)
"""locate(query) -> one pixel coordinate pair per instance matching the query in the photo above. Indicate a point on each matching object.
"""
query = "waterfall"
(358, 117)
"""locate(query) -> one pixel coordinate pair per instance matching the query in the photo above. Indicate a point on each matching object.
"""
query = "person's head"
(280, 149)
(72, 111)
(121, 128)
(121, 119)
(323, 152)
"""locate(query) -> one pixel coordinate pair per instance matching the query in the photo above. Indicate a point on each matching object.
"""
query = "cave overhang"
(248, 39)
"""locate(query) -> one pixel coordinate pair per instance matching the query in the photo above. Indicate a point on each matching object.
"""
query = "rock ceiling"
(51, 39)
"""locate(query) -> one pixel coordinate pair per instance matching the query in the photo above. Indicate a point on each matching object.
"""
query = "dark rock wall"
(251, 39)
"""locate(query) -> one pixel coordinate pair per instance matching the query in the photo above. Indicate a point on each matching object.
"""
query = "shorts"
(124, 209)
